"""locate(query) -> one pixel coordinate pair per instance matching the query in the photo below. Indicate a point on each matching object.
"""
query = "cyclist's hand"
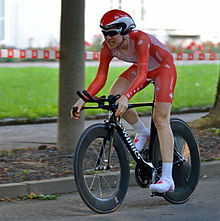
(79, 104)
(122, 106)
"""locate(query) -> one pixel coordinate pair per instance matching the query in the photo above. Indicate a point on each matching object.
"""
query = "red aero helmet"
(117, 18)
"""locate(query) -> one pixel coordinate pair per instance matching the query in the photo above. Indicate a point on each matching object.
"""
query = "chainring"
(143, 180)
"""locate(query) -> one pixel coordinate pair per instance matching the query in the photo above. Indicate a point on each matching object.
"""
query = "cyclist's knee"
(160, 121)
(120, 86)
(161, 117)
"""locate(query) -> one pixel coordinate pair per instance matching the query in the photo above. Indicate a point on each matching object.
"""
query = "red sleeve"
(142, 45)
(102, 73)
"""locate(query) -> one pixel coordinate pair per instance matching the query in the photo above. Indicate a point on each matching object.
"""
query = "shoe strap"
(161, 181)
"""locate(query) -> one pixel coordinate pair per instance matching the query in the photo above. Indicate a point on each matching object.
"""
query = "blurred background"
(184, 26)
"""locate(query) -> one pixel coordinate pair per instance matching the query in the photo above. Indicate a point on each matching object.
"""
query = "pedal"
(157, 194)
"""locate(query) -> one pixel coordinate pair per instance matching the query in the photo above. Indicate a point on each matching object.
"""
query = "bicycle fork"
(111, 141)
(110, 149)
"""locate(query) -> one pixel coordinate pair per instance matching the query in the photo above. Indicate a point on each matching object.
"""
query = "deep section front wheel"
(186, 163)
(101, 170)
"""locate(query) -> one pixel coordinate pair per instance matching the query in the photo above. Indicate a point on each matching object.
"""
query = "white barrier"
(89, 55)
(29, 54)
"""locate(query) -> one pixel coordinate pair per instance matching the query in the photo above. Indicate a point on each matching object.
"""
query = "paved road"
(31, 135)
(138, 205)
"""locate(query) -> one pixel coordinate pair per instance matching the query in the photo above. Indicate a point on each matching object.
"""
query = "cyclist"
(151, 60)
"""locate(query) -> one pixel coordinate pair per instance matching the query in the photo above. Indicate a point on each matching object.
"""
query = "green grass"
(28, 92)
(33, 92)
(196, 86)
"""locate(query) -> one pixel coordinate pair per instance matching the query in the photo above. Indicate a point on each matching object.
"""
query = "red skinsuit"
(151, 60)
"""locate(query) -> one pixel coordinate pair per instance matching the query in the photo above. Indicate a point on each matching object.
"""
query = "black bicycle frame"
(114, 124)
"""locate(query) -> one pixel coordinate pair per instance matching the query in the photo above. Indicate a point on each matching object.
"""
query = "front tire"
(102, 189)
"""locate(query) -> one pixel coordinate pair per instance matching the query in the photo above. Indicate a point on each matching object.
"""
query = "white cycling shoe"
(140, 140)
(163, 186)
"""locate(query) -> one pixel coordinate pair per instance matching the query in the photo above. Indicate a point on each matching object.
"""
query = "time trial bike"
(101, 160)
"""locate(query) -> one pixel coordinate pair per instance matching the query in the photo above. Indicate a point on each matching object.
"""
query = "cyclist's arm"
(102, 73)
(142, 43)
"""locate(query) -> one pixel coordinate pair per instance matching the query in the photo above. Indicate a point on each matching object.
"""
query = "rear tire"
(103, 189)
(185, 174)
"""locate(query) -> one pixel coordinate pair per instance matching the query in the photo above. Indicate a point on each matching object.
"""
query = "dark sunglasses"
(111, 33)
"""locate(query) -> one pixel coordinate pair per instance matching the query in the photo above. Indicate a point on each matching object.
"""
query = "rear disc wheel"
(186, 164)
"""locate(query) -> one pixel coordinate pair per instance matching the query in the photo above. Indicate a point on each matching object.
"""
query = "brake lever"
(74, 110)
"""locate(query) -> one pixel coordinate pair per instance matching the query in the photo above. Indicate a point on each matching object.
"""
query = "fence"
(55, 54)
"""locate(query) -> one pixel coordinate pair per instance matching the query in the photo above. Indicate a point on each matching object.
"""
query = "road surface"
(138, 205)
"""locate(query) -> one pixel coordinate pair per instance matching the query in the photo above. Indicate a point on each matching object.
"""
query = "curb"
(42, 120)
(67, 184)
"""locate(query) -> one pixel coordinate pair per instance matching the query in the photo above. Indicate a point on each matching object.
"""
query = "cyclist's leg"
(164, 89)
(161, 117)
(120, 86)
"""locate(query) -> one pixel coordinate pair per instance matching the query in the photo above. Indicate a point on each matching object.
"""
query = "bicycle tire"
(186, 175)
(115, 183)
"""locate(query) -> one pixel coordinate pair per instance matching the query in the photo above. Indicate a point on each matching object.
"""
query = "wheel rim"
(102, 182)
